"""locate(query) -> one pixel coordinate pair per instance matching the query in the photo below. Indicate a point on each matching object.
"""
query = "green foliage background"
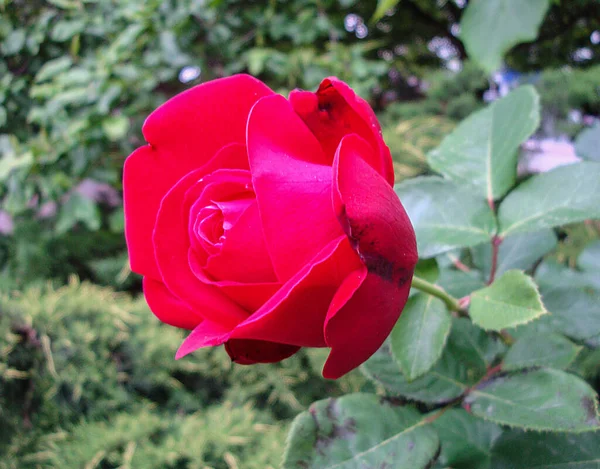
(87, 376)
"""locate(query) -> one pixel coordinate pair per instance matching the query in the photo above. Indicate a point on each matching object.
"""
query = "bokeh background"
(87, 375)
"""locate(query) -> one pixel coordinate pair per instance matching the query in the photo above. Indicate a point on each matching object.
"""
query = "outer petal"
(292, 188)
(206, 334)
(296, 313)
(249, 352)
(184, 134)
(356, 330)
(167, 307)
(335, 111)
(171, 245)
(382, 234)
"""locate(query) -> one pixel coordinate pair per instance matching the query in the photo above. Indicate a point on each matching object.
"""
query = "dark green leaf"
(532, 450)
(567, 194)
(466, 440)
(520, 251)
(490, 28)
(542, 399)
(511, 300)
(464, 360)
(357, 431)
(549, 350)
(445, 216)
(419, 336)
(482, 151)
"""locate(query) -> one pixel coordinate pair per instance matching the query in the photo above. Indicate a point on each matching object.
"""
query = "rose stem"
(452, 303)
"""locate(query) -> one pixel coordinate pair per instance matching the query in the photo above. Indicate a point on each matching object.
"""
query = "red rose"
(268, 224)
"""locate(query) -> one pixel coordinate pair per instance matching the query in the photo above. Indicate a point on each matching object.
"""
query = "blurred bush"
(89, 375)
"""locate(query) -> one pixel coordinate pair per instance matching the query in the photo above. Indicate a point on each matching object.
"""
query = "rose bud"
(268, 224)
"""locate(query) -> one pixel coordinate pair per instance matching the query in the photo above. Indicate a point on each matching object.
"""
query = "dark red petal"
(371, 214)
(184, 133)
(292, 189)
(296, 313)
(249, 352)
(356, 330)
(206, 334)
(167, 307)
(171, 245)
(335, 111)
(383, 237)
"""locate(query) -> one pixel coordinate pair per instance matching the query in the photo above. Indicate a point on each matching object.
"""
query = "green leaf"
(520, 251)
(468, 352)
(10, 162)
(549, 350)
(589, 259)
(511, 300)
(78, 209)
(587, 144)
(53, 67)
(458, 283)
(517, 450)
(382, 7)
(490, 28)
(445, 216)
(65, 29)
(466, 440)
(574, 312)
(419, 336)
(357, 431)
(482, 151)
(13, 42)
(567, 194)
(550, 275)
(542, 399)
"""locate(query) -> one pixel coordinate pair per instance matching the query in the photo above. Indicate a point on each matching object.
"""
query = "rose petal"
(171, 245)
(293, 192)
(167, 307)
(296, 313)
(371, 214)
(382, 234)
(250, 296)
(249, 352)
(184, 133)
(206, 334)
(356, 330)
(335, 111)
(243, 256)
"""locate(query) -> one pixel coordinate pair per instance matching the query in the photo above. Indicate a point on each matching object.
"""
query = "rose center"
(221, 201)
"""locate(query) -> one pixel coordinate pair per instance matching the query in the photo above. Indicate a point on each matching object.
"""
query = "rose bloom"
(268, 224)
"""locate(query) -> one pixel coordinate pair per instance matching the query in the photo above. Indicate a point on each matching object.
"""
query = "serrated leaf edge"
(519, 323)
